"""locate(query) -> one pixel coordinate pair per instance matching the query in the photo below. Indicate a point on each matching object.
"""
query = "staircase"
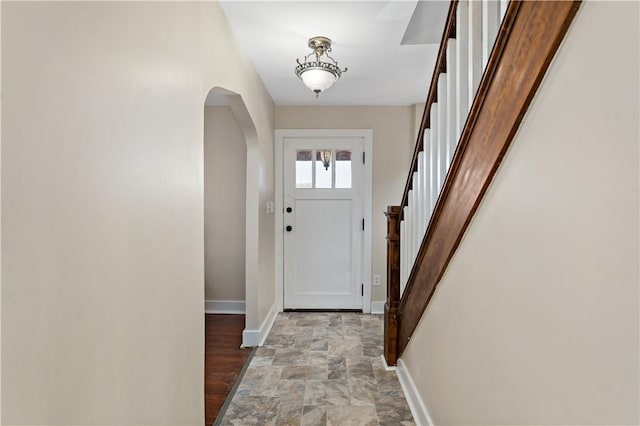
(492, 58)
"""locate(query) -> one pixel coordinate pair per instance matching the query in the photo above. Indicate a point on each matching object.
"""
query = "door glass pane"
(324, 168)
(303, 169)
(343, 169)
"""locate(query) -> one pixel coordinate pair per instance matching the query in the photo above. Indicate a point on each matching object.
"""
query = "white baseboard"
(377, 308)
(268, 323)
(251, 338)
(418, 410)
(386, 367)
(224, 307)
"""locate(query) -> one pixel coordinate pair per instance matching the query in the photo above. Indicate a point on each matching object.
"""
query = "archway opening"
(230, 241)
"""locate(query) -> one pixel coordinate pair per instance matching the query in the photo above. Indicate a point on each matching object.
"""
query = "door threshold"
(322, 310)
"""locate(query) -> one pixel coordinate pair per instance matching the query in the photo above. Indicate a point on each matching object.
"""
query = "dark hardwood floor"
(223, 360)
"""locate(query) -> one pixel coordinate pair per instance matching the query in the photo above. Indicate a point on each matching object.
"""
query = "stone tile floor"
(320, 368)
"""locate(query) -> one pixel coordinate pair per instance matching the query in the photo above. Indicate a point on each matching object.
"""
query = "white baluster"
(434, 157)
(416, 219)
(452, 140)
(474, 47)
(414, 227)
(428, 172)
(403, 252)
(442, 129)
(490, 22)
(421, 196)
(407, 236)
(424, 164)
(407, 243)
(411, 228)
(462, 68)
(414, 215)
(417, 213)
(409, 233)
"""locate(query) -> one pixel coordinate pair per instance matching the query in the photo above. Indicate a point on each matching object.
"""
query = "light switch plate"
(271, 208)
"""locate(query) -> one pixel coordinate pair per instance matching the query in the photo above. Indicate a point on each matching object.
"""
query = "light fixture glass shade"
(318, 79)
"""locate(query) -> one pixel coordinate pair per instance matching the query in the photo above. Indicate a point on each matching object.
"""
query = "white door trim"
(367, 136)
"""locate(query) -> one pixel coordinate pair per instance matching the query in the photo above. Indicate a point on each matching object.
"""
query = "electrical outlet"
(376, 280)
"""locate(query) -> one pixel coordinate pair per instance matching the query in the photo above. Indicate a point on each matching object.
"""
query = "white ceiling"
(367, 39)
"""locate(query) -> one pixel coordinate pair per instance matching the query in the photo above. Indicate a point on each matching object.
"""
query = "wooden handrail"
(432, 97)
(527, 41)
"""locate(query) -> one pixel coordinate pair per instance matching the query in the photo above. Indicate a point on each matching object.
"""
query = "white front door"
(323, 237)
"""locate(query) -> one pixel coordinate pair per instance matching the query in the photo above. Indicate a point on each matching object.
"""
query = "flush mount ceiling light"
(316, 74)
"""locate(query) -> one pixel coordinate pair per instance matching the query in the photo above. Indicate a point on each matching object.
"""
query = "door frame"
(367, 192)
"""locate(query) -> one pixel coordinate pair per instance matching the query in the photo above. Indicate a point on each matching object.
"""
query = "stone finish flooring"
(320, 368)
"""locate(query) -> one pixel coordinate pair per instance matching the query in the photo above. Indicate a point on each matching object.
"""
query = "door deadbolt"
(289, 209)
(289, 228)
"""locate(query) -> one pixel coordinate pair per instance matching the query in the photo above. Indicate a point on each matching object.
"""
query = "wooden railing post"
(393, 286)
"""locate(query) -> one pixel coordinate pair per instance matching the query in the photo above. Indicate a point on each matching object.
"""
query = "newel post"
(393, 286)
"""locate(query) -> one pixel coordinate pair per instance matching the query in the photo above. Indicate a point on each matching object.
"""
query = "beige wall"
(536, 318)
(225, 158)
(393, 133)
(0, 216)
(102, 207)
(418, 111)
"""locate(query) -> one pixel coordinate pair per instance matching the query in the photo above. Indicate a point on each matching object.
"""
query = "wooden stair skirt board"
(529, 36)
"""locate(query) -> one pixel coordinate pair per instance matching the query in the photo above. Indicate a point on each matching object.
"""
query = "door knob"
(289, 209)
(289, 228)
